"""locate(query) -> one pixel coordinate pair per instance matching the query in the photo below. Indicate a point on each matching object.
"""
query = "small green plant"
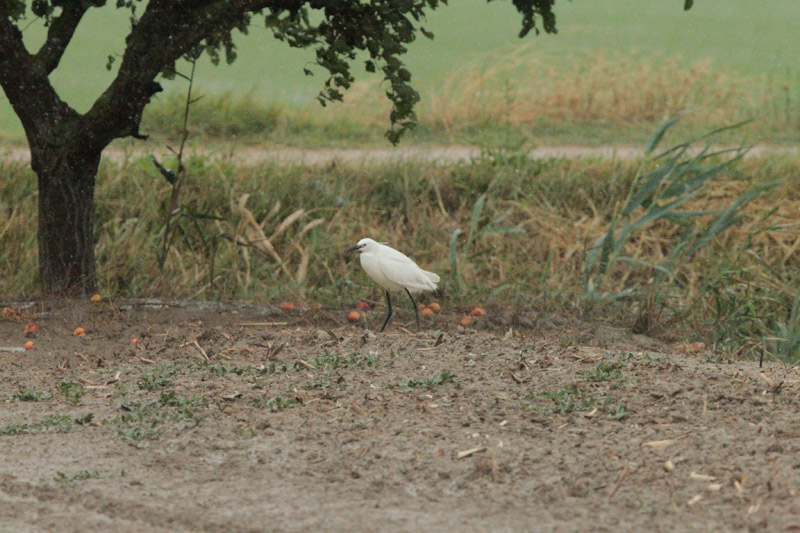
(61, 477)
(72, 391)
(445, 376)
(14, 429)
(617, 411)
(278, 403)
(569, 399)
(606, 371)
(184, 407)
(787, 333)
(85, 420)
(333, 361)
(29, 395)
(157, 377)
(245, 432)
(218, 369)
(141, 421)
(56, 423)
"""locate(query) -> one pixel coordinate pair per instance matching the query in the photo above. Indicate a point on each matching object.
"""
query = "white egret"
(393, 271)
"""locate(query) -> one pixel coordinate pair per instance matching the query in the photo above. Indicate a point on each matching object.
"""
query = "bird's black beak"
(351, 249)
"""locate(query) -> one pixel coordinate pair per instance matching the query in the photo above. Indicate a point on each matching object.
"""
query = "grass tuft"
(72, 391)
(29, 395)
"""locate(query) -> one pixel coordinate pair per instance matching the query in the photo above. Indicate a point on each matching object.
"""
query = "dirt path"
(306, 423)
(442, 154)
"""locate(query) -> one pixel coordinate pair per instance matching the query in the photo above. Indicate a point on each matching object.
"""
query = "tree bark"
(66, 219)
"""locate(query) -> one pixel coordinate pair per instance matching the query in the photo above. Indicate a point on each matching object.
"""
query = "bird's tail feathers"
(434, 277)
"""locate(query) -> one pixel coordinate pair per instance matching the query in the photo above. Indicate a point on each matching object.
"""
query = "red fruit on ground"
(28, 345)
(362, 305)
(287, 307)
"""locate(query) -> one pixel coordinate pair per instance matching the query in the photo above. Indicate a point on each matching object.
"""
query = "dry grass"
(521, 89)
(275, 232)
(597, 98)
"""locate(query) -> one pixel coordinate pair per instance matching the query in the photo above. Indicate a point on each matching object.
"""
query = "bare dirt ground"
(306, 423)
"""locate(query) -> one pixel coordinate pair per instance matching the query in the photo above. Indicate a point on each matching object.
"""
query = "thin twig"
(202, 351)
(617, 485)
(181, 174)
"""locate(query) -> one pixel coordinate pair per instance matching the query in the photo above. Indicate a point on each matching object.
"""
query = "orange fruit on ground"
(433, 306)
(362, 305)
(79, 332)
(134, 342)
(28, 345)
(31, 329)
(426, 311)
(287, 307)
(353, 316)
(477, 311)
(465, 320)
(96, 299)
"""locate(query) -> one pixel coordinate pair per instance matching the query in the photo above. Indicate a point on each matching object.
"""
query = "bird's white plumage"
(394, 270)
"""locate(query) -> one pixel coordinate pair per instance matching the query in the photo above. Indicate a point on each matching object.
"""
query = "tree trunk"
(66, 218)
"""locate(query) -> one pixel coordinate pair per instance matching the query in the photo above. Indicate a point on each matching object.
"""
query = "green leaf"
(728, 217)
(454, 258)
(477, 209)
(658, 134)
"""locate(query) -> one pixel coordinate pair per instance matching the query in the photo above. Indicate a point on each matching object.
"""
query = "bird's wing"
(387, 251)
(405, 272)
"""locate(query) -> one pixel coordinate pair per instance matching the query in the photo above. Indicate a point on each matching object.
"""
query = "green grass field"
(742, 39)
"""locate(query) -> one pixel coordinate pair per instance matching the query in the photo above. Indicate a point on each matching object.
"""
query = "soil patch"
(239, 418)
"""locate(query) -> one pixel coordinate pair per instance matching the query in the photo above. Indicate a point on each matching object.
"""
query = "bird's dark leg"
(416, 311)
(389, 314)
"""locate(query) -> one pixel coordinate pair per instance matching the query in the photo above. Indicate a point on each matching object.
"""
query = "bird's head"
(364, 245)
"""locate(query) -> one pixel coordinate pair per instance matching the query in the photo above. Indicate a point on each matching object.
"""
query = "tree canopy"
(163, 31)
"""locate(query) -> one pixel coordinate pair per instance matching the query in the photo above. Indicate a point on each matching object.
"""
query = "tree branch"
(166, 31)
(60, 33)
(27, 87)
